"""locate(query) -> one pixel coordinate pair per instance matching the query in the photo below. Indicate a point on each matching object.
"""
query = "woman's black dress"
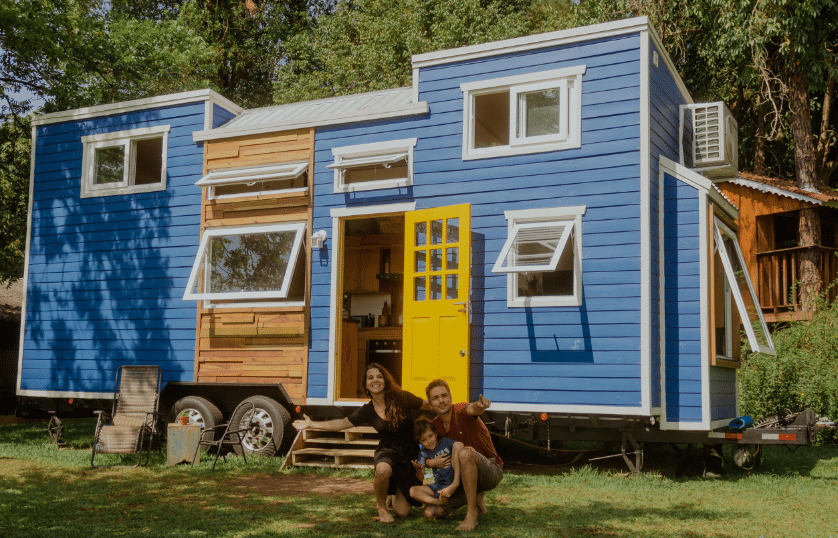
(395, 447)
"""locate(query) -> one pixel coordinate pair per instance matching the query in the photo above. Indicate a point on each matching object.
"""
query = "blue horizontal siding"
(106, 274)
(552, 343)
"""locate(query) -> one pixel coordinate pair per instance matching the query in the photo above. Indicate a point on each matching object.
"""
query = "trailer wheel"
(747, 457)
(201, 411)
(266, 429)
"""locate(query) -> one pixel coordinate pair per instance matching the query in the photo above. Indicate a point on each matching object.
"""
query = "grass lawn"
(46, 492)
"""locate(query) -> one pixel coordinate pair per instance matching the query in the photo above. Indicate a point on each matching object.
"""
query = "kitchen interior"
(373, 284)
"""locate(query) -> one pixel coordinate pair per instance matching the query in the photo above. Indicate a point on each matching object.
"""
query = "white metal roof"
(137, 104)
(330, 111)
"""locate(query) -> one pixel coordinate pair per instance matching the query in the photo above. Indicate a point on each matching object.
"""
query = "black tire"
(266, 429)
(201, 411)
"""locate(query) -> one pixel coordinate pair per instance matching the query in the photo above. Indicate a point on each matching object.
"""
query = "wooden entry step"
(349, 449)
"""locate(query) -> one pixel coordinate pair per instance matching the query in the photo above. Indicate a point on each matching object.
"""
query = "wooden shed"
(768, 233)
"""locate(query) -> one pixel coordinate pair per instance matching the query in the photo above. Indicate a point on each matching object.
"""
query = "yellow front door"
(437, 264)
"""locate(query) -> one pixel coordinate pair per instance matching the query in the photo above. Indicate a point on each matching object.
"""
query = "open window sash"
(249, 262)
(534, 247)
(385, 159)
(742, 289)
(251, 175)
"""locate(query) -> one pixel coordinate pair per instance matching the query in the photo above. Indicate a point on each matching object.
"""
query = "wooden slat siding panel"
(571, 177)
(95, 254)
(753, 204)
(682, 356)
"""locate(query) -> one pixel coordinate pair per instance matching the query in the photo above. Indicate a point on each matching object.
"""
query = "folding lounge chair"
(134, 415)
(232, 433)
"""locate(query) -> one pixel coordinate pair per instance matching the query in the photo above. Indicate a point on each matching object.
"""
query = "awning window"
(534, 247)
(251, 262)
(742, 289)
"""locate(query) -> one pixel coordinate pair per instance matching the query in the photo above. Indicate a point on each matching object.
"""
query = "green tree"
(366, 45)
(15, 142)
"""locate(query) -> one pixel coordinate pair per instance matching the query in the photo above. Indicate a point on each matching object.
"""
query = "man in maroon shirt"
(481, 469)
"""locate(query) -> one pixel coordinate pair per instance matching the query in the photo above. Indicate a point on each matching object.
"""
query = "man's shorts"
(489, 475)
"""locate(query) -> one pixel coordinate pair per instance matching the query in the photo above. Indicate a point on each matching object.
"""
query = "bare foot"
(469, 523)
(385, 516)
(481, 508)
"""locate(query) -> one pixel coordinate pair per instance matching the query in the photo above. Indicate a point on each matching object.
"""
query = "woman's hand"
(303, 424)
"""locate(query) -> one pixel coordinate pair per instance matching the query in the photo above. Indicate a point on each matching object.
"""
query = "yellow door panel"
(436, 294)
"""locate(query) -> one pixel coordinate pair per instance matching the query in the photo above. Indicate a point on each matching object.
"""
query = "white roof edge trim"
(774, 190)
(138, 104)
(414, 109)
(530, 42)
(698, 181)
(253, 173)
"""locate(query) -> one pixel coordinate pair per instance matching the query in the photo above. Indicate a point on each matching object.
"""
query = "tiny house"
(533, 220)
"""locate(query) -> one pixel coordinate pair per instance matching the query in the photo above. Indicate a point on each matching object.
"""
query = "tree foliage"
(15, 142)
(366, 45)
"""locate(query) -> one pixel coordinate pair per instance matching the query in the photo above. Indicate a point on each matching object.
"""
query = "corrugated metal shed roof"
(788, 189)
(333, 106)
(329, 111)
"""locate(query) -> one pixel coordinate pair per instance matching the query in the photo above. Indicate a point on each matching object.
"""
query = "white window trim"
(571, 101)
(569, 213)
(252, 174)
(720, 228)
(501, 265)
(298, 227)
(125, 139)
(383, 153)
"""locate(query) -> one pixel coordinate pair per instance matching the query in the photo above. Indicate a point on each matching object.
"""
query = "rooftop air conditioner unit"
(709, 142)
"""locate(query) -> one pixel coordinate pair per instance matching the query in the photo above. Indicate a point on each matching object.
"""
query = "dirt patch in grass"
(325, 486)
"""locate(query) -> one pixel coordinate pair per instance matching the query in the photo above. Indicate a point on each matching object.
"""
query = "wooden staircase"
(348, 449)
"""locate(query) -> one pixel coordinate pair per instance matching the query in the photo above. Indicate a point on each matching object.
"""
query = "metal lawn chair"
(232, 433)
(133, 417)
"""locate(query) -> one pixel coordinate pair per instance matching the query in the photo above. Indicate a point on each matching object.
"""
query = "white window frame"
(568, 80)
(376, 153)
(282, 293)
(253, 174)
(522, 217)
(718, 229)
(126, 140)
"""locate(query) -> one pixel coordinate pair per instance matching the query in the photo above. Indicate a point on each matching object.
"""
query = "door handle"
(464, 306)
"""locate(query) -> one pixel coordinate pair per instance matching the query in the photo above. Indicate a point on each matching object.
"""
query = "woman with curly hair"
(389, 411)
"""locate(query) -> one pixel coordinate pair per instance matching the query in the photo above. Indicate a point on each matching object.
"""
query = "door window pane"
(436, 232)
(436, 259)
(420, 234)
(453, 231)
(451, 287)
(419, 288)
(452, 257)
(436, 287)
(421, 261)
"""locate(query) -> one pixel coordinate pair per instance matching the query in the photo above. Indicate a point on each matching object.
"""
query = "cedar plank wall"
(753, 204)
(256, 345)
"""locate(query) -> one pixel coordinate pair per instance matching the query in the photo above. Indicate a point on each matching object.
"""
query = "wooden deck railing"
(779, 271)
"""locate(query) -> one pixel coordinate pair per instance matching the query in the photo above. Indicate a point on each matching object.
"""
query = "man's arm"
(478, 407)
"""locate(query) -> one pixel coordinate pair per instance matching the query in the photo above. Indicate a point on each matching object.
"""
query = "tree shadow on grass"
(38, 501)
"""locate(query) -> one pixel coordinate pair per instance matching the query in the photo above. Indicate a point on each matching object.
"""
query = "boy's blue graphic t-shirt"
(444, 446)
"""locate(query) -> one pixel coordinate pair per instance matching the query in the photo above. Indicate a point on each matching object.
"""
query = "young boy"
(447, 480)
